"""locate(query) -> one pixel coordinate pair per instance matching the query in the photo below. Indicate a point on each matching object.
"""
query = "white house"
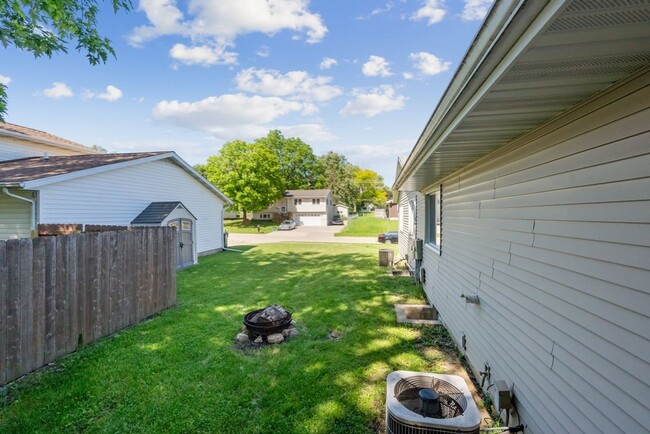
(151, 188)
(531, 185)
(305, 207)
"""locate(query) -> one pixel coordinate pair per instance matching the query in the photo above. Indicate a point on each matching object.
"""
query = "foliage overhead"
(46, 27)
(248, 173)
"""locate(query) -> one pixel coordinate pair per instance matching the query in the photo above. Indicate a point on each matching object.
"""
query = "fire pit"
(264, 322)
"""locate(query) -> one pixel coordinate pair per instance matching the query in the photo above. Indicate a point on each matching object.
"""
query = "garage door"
(310, 220)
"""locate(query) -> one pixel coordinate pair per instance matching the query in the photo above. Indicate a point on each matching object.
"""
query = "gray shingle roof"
(157, 212)
(307, 193)
(33, 168)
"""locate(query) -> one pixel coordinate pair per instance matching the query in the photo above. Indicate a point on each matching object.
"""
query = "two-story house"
(305, 207)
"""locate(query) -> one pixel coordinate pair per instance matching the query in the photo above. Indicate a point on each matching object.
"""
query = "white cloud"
(379, 100)
(433, 11)
(327, 63)
(376, 66)
(216, 24)
(475, 9)
(263, 51)
(309, 133)
(298, 85)
(5, 79)
(111, 94)
(407, 76)
(387, 7)
(202, 55)
(428, 64)
(58, 90)
(228, 116)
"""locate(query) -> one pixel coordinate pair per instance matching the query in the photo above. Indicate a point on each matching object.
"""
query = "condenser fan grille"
(452, 400)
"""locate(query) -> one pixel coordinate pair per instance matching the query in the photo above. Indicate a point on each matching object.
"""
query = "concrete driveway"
(304, 234)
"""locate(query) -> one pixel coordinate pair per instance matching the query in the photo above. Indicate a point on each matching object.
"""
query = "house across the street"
(305, 207)
(530, 190)
(47, 179)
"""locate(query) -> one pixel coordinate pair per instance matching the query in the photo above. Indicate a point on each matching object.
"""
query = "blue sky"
(359, 77)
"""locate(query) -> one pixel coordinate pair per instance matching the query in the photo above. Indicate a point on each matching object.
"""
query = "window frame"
(434, 240)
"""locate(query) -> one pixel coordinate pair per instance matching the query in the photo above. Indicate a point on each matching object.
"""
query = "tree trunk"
(244, 221)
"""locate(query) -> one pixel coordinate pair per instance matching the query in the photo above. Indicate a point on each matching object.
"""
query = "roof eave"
(496, 43)
(48, 142)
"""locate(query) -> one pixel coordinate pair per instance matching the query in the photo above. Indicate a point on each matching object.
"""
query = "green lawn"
(237, 226)
(181, 373)
(367, 225)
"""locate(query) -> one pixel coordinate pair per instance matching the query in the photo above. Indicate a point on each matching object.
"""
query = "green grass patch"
(180, 371)
(367, 225)
(237, 226)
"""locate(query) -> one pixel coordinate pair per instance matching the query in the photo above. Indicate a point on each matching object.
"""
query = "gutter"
(5, 190)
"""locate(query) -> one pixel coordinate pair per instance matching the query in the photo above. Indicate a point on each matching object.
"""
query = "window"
(411, 217)
(283, 209)
(186, 225)
(297, 201)
(315, 201)
(434, 218)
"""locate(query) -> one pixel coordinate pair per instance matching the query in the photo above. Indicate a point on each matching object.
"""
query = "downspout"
(5, 190)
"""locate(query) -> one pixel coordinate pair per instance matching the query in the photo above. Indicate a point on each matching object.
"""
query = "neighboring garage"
(309, 219)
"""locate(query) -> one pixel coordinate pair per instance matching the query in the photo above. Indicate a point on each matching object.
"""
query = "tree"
(338, 176)
(249, 174)
(299, 166)
(46, 27)
(371, 187)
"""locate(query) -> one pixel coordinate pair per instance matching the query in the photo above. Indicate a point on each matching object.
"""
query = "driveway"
(304, 234)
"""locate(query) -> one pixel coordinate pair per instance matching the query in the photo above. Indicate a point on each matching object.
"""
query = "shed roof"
(33, 168)
(31, 134)
(307, 193)
(156, 212)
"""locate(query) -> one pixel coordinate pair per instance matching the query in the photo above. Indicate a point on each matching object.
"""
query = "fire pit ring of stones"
(259, 328)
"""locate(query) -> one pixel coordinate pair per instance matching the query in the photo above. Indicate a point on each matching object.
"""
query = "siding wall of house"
(116, 197)
(15, 216)
(12, 149)
(554, 235)
(406, 237)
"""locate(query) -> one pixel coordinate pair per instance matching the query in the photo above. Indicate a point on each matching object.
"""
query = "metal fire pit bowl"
(268, 328)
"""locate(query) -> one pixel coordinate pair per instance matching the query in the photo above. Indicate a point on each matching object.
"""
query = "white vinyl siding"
(15, 215)
(409, 226)
(12, 149)
(116, 197)
(554, 236)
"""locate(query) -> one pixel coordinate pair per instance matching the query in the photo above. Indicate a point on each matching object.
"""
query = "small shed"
(175, 215)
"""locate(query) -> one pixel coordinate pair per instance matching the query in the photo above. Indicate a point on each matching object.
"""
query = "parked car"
(287, 225)
(388, 237)
(337, 220)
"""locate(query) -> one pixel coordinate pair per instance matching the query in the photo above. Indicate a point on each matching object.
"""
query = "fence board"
(38, 271)
(62, 291)
(71, 336)
(26, 282)
(13, 310)
(49, 351)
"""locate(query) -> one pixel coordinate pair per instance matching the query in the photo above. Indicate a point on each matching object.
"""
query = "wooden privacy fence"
(57, 293)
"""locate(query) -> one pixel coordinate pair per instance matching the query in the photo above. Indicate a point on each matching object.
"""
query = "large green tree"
(338, 176)
(248, 173)
(46, 27)
(299, 167)
(370, 186)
